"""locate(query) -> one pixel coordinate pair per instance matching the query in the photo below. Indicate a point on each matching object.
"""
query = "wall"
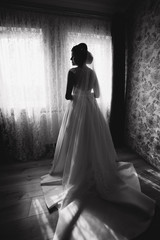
(143, 81)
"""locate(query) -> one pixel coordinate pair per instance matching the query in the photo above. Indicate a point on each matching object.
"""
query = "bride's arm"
(96, 87)
(70, 82)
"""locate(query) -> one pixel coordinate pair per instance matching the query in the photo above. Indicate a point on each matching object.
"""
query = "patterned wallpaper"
(142, 132)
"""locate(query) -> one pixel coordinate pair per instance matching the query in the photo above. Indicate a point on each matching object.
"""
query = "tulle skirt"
(86, 163)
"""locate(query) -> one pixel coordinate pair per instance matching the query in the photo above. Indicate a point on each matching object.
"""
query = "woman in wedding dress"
(85, 159)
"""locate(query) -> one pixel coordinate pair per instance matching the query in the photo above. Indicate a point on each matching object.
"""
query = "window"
(22, 69)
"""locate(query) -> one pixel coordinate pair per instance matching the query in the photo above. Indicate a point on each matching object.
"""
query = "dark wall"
(143, 80)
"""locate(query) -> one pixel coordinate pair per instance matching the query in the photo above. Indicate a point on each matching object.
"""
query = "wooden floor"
(24, 215)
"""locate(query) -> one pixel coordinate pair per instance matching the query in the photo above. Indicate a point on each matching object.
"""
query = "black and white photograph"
(80, 120)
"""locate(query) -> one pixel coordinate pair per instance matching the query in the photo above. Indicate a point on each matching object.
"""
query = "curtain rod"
(44, 8)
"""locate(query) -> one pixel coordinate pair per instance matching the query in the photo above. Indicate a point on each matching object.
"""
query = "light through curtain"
(22, 71)
(35, 51)
(25, 117)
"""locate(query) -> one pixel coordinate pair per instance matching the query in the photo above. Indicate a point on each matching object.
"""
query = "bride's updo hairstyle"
(81, 54)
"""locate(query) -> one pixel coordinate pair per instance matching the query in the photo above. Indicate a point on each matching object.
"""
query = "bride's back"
(85, 79)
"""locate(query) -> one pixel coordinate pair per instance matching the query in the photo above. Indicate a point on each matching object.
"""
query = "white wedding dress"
(85, 161)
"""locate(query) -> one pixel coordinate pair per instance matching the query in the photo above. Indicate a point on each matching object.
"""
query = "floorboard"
(23, 212)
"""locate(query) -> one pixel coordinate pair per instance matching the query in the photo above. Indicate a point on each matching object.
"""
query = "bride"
(85, 160)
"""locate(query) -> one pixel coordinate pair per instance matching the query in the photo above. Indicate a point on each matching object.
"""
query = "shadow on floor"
(153, 232)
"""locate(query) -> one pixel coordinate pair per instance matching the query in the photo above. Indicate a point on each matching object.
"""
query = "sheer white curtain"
(24, 92)
(35, 52)
(22, 70)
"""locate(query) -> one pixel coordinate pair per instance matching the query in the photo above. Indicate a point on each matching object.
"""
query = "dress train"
(86, 164)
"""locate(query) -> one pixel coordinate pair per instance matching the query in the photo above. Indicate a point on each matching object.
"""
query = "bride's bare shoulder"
(92, 72)
(73, 70)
